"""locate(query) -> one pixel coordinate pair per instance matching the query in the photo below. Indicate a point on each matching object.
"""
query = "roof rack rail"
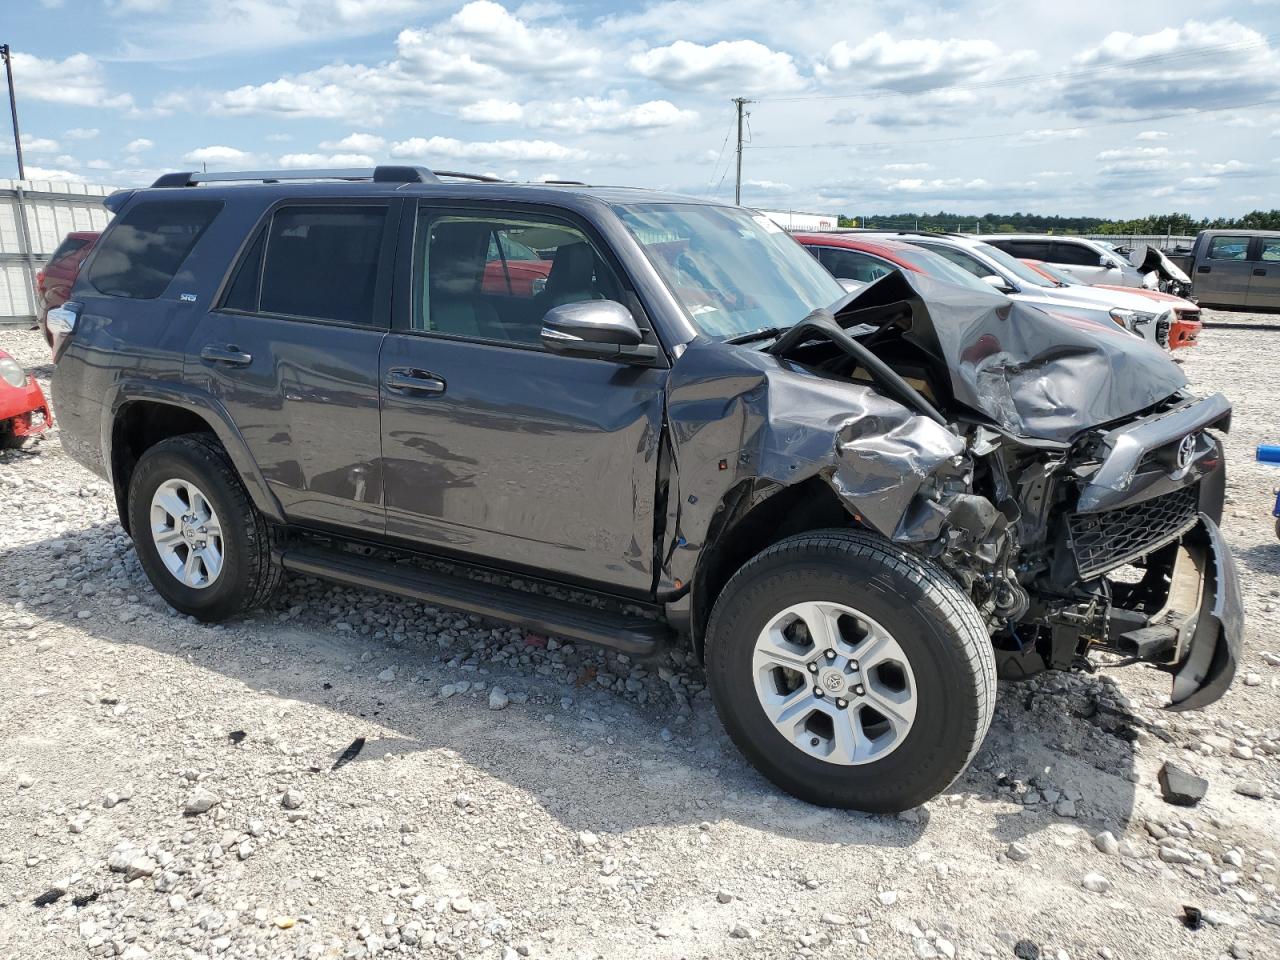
(381, 174)
(478, 177)
(564, 183)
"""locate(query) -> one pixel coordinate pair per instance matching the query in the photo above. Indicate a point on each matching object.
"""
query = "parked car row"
(856, 508)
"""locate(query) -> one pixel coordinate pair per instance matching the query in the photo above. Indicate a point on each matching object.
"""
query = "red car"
(54, 282)
(1186, 326)
(851, 257)
(24, 412)
(515, 271)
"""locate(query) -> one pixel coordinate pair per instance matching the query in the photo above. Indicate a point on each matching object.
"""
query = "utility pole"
(13, 109)
(737, 183)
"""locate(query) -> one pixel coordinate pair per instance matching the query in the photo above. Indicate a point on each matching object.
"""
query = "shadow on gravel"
(602, 762)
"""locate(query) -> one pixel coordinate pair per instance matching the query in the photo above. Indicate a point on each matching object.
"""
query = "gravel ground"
(176, 790)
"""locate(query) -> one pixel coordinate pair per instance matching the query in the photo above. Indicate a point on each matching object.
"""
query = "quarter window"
(1229, 248)
(492, 277)
(146, 248)
(1270, 249)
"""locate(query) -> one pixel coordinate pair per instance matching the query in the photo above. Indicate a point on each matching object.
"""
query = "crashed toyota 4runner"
(857, 508)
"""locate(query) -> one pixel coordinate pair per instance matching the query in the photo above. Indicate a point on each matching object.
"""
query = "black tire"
(249, 573)
(8, 439)
(932, 619)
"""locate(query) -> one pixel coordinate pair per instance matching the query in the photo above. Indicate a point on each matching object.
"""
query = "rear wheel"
(204, 546)
(850, 672)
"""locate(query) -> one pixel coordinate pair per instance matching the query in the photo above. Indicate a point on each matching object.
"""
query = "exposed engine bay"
(1080, 507)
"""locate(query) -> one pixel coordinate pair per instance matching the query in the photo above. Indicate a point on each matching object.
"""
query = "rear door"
(1223, 270)
(1264, 274)
(493, 447)
(1082, 262)
(291, 350)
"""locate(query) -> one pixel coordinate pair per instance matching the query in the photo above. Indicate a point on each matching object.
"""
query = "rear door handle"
(1204, 269)
(414, 381)
(1259, 272)
(230, 355)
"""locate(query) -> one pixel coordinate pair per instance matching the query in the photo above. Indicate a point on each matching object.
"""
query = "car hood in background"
(1035, 374)
(1122, 298)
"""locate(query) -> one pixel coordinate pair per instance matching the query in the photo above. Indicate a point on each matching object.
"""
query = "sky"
(1085, 108)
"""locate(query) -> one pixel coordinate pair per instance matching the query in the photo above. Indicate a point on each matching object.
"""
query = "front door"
(1224, 271)
(494, 447)
(292, 353)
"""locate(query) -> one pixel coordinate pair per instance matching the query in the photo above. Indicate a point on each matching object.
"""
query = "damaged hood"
(1036, 374)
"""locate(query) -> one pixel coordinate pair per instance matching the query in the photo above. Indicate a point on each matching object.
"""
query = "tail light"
(40, 281)
(61, 322)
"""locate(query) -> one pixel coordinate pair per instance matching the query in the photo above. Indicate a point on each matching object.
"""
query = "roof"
(987, 237)
(854, 242)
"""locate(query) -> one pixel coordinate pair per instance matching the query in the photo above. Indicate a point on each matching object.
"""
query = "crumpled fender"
(737, 414)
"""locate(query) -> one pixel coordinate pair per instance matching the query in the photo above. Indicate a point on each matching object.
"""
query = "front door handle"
(1259, 272)
(414, 381)
(230, 355)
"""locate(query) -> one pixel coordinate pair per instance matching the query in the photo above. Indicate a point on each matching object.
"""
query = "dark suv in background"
(855, 507)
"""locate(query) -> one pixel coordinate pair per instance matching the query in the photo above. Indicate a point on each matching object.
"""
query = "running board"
(633, 635)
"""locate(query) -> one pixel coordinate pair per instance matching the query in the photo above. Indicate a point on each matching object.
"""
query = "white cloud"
(137, 146)
(356, 142)
(50, 173)
(492, 110)
(1240, 66)
(81, 133)
(427, 148)
(39, 145)
(304, 161)
(742, 66)
(768, 186)
(78, 80)
(481, 49)
(913, 65)
(1152, 135)
(1052, 133)
(98, 165)
(218, 155)
(906, 167)
(930, 109)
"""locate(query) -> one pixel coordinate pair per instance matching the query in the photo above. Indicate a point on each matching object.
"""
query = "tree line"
(1178, 224)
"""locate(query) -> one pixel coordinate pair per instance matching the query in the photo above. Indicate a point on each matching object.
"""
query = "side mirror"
(998, 282)
(1106, 263)
(594, 328)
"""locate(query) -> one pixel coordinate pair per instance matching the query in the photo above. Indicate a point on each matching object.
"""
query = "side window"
(492, 277)
(961, 260)
(319, 263)
(852, 264)
(1074, 254)
(143, 252)
(1270, 249)
(1228, 248)
(1027, 249)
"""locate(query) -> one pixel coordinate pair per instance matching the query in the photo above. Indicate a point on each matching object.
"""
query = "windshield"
(940, 268)
(732, 270)
(1013, 265)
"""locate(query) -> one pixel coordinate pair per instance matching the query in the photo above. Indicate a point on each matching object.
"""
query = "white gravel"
(169, 789)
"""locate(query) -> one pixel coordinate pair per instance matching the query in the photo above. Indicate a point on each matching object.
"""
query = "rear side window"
(66, 248)
(1074, 254)
(1025, 249)
(1270, 249)
(320, 263)
(1229, 248)
(145, 249)
(853, 265)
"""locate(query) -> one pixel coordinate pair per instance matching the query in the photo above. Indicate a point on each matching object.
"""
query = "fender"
(130, 390)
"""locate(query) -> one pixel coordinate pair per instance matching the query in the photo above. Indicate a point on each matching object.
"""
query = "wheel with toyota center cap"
(202, 543)
(850, 672)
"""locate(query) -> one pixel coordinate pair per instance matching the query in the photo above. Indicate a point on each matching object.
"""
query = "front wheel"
(850, 672)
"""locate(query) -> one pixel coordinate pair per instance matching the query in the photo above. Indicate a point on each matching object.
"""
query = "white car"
(1131, 311)
(1087, 260)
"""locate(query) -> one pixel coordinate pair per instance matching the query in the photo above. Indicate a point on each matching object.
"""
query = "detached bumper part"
(1197, 633)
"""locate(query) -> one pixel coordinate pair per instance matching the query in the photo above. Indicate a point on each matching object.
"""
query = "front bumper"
(1197, 631)
(1184, 333)
(24, 408)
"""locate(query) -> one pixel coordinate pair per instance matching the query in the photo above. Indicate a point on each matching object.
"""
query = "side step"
(633, 635)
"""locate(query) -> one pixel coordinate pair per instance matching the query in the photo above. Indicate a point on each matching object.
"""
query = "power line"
(1013, 134)
(1039, 77)
(716, 166)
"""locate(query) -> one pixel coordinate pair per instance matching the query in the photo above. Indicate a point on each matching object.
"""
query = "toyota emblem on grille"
(1186, 450)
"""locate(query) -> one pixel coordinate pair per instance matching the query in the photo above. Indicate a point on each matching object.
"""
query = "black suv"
(855, 507)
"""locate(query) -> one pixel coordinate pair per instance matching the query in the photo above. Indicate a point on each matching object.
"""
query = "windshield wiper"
(762, 334)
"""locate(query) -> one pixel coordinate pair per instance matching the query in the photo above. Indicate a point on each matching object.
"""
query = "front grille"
(1104, 541)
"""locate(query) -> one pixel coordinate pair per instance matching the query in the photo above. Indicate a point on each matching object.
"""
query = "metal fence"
(1160, 241)
(34, 217)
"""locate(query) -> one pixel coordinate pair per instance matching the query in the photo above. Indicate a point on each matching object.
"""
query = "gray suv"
(856, 508)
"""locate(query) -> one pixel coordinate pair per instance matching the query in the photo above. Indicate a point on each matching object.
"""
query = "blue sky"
(1114, 109)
